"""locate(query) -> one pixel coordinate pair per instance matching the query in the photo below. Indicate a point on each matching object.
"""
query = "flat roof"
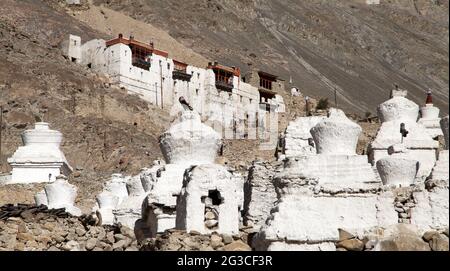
(235, 71)
(266, 74)
(134, 42)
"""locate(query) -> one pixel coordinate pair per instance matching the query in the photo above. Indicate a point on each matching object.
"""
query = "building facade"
(217, 92)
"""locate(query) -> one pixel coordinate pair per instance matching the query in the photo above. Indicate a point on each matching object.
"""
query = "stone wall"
(260, 195)
(31, 228)
(179, 240)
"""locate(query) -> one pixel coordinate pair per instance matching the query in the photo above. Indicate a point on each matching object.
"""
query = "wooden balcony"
(220, 85)
(181, 75)
(141, 63)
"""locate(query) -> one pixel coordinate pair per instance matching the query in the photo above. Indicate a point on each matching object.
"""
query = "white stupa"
(187, 143)
(430, 117)
(210, 200)
(298, 139)
(441, 169)
(59, 194)
(393, 113)
(319, 194)
(336, 161)
(40, 159)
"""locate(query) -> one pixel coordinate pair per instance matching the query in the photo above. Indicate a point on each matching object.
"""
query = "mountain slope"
(357, 49)
(105, 129)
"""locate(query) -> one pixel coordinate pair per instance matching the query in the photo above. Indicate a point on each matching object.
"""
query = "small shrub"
(323, 104)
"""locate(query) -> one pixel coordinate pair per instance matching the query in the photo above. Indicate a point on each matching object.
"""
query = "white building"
(73, 2)
(216, 92)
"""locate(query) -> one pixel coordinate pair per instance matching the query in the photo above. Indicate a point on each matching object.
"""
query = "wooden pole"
(307, 109)
(335, 98)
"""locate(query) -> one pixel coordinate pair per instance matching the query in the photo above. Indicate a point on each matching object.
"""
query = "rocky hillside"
(360, 50)
(105, 130)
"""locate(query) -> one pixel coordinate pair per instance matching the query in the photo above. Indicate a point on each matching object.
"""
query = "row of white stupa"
(41, 160)
(174, 195)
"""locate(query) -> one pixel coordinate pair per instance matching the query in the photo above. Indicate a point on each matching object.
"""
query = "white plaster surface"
(336, 134)
(398, 108)
(59, 194)
(430, 120)
(431, 210)
(343, 169)
(282, 246)
(397, 171)
(106, 202)
(304, 219)
(190, 141)
(298, 136)
(40, 159)
(199, 181)
(441, 169)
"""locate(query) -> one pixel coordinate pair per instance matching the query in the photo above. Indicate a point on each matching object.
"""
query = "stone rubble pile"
(31, 228)
(180, 240)
(400, 237)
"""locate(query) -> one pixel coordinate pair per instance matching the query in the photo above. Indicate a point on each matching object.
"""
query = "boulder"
(237, 246)
(439, 242)
(401, 237)
(351, 244)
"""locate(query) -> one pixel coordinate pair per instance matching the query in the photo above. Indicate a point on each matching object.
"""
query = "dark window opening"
(89, 65)
(264, 97)
(213, 198)
(265, 83)
(180, 71)
(73, 59)
(211, 214)
(223, 76)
